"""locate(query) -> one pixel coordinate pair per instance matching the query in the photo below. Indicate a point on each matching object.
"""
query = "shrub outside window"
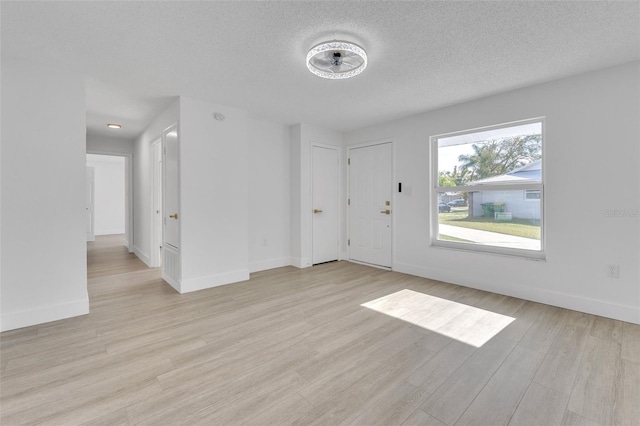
(491, 181)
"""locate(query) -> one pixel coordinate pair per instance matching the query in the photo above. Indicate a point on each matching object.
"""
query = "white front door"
(370, 209)
(171, 189)
(324, 195)
(90, 191)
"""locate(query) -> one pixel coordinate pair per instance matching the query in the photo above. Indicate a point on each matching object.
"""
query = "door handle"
(316, 211)
(174, 216)
(385, 211)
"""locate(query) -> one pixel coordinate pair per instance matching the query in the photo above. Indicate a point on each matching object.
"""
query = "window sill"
(535, 255)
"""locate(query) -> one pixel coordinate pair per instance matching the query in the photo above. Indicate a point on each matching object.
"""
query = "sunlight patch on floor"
(467, 324)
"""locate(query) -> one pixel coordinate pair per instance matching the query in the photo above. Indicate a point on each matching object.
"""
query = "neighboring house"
(524, 204)
(450, 196)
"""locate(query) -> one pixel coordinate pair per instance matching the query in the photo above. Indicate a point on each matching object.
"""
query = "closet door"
(171, 207)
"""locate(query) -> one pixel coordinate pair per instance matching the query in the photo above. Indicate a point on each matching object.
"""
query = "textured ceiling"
(137, 56)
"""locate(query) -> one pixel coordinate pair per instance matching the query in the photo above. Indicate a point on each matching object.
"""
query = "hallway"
(107, 255)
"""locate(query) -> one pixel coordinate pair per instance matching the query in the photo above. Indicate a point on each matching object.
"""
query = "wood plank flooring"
(296, 347)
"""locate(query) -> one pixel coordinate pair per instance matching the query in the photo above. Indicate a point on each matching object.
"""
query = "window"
(488, 189)
(531, 194)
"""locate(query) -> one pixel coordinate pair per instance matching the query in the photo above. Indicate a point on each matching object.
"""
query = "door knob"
(174, 216)
(316, 211)
(386, 211)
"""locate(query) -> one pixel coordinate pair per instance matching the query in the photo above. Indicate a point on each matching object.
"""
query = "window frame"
(435, 189)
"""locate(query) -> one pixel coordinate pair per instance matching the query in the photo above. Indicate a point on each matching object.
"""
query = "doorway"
(108, 200)
(370, 204)
(113, 175)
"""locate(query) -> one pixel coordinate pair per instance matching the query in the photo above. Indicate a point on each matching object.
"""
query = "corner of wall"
(216, 280)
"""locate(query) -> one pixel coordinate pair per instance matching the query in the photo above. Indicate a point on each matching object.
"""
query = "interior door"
(370, 209)
(157, 202)
(171, 188)
(324, 195)
(90, 191)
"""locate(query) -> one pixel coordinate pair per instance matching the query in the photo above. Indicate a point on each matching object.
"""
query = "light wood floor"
(296, 347)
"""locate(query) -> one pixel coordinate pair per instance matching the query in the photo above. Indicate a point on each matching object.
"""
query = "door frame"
(340, 202)
(154, 257)
(128, 188)
(91, 236)
(393, 198)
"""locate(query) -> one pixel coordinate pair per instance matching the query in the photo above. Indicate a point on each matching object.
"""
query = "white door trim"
(340, 202)
(393, 196)
(128, 199)
(90, 203)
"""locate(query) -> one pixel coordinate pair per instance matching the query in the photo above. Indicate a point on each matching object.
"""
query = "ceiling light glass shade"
(114, 126)
(336, 60)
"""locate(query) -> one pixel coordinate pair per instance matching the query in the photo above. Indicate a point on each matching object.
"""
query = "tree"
(496, 157)
(444, 179)
(453, 178)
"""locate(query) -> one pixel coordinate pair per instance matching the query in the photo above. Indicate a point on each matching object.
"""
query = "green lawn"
(518, 227)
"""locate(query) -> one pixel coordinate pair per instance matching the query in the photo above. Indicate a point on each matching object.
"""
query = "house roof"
(531, 172)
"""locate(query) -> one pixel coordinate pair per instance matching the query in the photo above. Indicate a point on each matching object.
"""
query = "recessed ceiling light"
(114, 126)
(336, 60)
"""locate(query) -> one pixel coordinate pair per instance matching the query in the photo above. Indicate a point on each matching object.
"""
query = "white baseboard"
(263, 265)
(301, 262)
(13, 320)
(195, 284)
(171, 282)
(577, 303)
(110, 232)
(142, 255)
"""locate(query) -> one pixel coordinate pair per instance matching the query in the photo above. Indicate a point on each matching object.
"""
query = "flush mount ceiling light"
(336, 60)
(114, 126)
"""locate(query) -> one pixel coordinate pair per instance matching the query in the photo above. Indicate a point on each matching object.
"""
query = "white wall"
(142, 180)
(591, 164)
(303, 136)
(214, 195)
(295, 172)
(227, 192)
(97, 144)
(109, 205)
(269, 195)
(44, 270)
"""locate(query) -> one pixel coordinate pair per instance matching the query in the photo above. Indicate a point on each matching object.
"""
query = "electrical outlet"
(613, 271)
